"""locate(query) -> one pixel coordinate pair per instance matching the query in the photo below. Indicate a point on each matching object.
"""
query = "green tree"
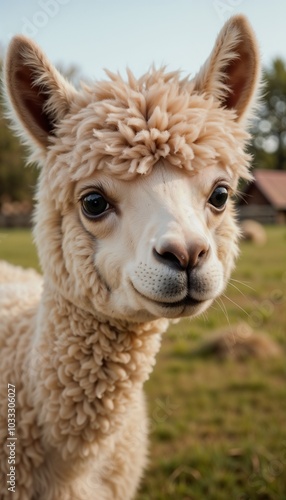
(16, 181)
(269, 129)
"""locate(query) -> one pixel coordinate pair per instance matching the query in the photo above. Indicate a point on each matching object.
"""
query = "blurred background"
(217, 397)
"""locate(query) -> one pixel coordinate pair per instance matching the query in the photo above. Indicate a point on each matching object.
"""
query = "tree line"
(268, 146)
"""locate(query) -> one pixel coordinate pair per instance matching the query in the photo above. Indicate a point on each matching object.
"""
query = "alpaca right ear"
(232, 72)
(39, 94)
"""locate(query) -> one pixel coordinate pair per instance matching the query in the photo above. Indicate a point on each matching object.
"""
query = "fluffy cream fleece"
(136, 123)
(77, 358)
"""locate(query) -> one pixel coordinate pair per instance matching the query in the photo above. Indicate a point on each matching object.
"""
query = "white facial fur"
(167, 209)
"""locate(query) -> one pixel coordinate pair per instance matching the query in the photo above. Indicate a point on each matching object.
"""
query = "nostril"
(174, 257)
(198, 253)
(182, 257)
(170, 257)
(202, 253)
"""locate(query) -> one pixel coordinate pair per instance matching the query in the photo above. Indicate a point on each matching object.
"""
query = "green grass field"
(217, 428)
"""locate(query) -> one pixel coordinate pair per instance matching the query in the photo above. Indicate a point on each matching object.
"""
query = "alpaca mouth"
(186, 301)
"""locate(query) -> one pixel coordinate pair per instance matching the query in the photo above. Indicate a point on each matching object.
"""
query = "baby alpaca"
(134, 225)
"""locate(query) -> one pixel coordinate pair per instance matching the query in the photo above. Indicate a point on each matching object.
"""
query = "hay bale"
(253, 231)
(239, 342)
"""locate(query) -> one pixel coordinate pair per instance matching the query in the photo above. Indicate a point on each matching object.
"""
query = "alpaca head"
(134, 217)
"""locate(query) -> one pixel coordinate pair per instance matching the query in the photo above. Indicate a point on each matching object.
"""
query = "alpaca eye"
(94, 204)
(219, 197)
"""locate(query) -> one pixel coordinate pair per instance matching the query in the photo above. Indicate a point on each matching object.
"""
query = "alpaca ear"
(40, 96)
(232, 72)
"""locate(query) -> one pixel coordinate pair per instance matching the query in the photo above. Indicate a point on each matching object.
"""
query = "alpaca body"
(134, 226)
(94, 443)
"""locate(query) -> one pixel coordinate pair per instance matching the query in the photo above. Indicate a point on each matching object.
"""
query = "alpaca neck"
(87, 372)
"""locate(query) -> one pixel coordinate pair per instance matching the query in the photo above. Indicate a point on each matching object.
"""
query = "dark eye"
(219, 197)
(94, 204)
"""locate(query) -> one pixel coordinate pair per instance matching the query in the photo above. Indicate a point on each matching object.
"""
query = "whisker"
(205, 316)
(221, 308)
(217, 309)
(236, 288)
(242, 196)
(224, 309)
(242, 283)
(236, 305)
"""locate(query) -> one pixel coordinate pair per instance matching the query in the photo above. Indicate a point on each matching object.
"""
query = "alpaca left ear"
(39, 94)
(232, 72)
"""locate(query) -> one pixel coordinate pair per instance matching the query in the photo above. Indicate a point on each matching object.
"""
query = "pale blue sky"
(95, 34)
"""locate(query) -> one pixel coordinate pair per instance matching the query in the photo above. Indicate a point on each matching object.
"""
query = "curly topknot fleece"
(128, 126)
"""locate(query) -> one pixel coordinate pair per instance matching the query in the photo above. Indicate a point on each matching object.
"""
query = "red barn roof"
(272, 184)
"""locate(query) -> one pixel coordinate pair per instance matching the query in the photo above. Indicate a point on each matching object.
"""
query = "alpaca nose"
(182, 257)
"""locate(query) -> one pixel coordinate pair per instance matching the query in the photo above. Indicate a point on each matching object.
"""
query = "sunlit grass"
(17, 247)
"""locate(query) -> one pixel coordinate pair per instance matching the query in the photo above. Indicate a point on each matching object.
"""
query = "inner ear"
(32, 101)
(232, 72)
(39, 94)
(240, 74)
